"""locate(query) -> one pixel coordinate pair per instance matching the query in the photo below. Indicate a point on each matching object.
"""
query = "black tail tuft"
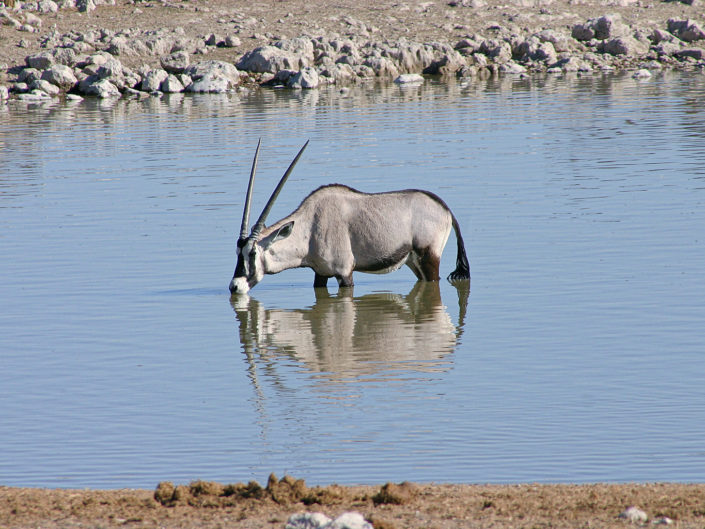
(462, 267)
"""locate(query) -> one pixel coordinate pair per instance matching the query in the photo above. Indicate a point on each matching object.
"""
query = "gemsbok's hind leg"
(345, 281)
(412, 261)
(430, 264)
(425, 265)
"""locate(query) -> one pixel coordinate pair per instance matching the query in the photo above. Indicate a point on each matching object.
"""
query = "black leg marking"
(430, 266)
(346, 281)
(320, 281)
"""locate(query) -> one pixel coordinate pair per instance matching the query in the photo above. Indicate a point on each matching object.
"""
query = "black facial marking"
(253, 257)
(239, 267)
(245, 263)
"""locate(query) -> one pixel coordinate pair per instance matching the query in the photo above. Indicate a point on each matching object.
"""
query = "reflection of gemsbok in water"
(346, 336)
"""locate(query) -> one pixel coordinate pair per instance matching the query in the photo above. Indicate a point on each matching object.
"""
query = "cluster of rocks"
(317, 520)
(601, 43)
(89, 63)
(635, 515)
(23, 18)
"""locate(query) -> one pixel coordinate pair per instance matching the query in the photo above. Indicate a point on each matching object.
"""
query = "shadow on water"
(344, 337)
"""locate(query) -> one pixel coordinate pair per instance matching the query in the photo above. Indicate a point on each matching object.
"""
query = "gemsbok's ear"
(278, 235)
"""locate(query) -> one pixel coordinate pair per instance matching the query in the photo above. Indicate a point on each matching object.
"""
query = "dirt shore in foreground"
(412, 506)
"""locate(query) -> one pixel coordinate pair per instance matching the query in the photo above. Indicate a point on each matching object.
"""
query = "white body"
(337, 231)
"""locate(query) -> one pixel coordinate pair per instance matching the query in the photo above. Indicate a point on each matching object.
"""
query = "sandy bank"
(210, 505)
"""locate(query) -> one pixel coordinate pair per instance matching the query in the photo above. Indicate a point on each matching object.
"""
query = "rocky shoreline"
(327, 44)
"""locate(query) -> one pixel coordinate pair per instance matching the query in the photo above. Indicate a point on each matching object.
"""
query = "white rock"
(111, 68)
(163, 44)
(308, 520)
(409, 78)
(212, 77)
(545, 52)
(153, 80)
(65, 56)
(45, 86)
(6, 19)
(60, 75)
(34, 95)
(172, 85)
(339, 73)
(122, 45)
(212, 68)
(33, 20)
(625, 46)
(499, 50)
(304, 78)
(232, 41)
(4, 92)
(270, 59)
(382, 67)
(511, 67)
(100, 58)
(663, 520)
(641, 74)
(350, 520)
(634, 515)
(41, 60)
(317, 520)
(558, 39)
(47, 6)
(176, 62)
(299, 46)
(212, 84)
(573, 64)
(413, 57)
(103, 89)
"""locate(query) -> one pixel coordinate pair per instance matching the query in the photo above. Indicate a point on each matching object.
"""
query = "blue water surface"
(579, 355)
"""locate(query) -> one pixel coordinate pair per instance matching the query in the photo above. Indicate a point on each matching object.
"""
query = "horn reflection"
(343, 337)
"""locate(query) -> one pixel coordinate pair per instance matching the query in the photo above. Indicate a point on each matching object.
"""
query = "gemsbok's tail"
(462, 267)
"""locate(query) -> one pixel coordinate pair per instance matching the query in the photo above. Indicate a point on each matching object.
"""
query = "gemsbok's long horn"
(260, 222)
(248, 199)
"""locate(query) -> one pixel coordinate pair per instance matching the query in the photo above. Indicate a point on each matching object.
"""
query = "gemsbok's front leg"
(320, 281)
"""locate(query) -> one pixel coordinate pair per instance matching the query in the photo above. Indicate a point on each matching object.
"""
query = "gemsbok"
(337, 230)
